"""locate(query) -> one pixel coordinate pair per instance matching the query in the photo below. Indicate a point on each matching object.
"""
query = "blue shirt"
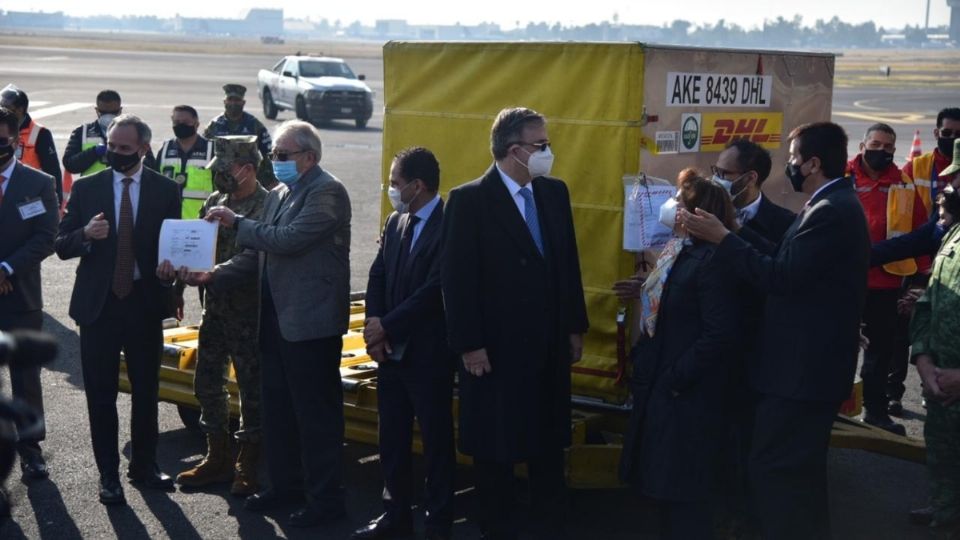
(424, 214)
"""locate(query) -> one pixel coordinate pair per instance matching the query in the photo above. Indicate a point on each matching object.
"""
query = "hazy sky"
(886, 13)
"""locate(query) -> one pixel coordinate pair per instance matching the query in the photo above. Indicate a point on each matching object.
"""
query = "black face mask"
(945, 146)
(122, 162)
(6, 152)
(184, 131)
(233, 109)
(877, 159)
(226, 182)
(796, 177)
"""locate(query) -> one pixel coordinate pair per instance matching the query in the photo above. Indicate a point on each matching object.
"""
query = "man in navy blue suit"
(405, 333)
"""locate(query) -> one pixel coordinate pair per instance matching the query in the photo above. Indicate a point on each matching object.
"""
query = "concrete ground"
(870, 494)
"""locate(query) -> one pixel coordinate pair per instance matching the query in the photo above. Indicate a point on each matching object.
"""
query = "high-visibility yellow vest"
(196, 182)
(900, 199)
(91, 137)
(926, 180)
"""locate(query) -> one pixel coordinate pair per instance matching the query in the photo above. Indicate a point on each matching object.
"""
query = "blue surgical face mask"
(286, 171)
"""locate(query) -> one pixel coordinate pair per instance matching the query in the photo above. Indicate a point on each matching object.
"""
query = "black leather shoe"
(922, 516)
(309, 516)
(150, 478)
(884, 422)
(385, 526)
(34, 467)
(895, 408)
(111, 492)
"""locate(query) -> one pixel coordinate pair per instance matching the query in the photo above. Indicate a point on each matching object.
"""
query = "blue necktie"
(530, 216)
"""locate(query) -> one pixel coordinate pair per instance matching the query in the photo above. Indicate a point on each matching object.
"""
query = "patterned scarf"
(653, 286)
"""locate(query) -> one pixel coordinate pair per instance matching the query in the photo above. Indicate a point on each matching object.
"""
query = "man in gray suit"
(301, 249)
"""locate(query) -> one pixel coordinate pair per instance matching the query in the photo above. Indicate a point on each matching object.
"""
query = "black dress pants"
(497, 495)
(884, 328)
(425, 392)
(25, 380)
(788, 467)
(302, 413)
(124, 325)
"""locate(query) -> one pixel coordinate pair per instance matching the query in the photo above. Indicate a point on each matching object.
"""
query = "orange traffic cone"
(915, 147)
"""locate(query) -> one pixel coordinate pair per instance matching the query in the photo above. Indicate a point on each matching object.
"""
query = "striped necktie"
(123, 266)
(530, 216)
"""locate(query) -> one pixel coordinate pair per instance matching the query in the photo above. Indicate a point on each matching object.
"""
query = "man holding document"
(299, 250)
(228, 329)
(113, 225)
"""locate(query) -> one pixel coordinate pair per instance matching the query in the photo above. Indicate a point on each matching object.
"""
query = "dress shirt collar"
(513, 186)
(749, 211)
(118, 176)
(427, 210)
(8, 171)
(823, 187)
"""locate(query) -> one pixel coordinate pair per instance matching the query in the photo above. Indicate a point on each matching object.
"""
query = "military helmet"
(230, 148)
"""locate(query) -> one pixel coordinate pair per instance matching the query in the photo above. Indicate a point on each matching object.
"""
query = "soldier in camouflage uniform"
(234, 121)
(228, 331)
(936, 351)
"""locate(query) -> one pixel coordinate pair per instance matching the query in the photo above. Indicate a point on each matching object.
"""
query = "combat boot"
(245, 480)
(215, 468)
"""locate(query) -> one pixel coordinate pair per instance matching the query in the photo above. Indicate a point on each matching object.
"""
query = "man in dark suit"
(300, 252)
(516, 314)
(405, 333)
(28, 221)
(742, 168)
(815, 282)
(113, 224)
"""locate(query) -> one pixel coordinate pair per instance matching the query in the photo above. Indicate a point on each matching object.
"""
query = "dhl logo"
(721, 128)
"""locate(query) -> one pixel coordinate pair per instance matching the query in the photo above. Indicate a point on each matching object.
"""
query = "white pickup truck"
(317, 88)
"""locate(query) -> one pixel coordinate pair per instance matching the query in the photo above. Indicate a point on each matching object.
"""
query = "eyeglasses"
(541, 147)
(722, 173)
(5, 141)
(277, 155)
(950, 133)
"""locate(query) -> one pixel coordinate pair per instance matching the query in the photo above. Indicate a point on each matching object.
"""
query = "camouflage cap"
(230, 148)
(235, 90)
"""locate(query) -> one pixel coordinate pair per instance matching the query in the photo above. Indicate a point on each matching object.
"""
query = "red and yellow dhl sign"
(721, 128)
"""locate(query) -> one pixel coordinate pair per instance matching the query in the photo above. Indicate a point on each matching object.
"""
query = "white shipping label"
(718, 90)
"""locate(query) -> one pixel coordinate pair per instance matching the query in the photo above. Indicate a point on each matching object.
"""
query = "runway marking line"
(887, 118)
(58, 109)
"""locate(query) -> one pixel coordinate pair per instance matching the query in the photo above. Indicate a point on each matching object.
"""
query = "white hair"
(143, 130)
(305, 135)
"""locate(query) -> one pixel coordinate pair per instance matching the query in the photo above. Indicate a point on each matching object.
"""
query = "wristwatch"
(236, 222)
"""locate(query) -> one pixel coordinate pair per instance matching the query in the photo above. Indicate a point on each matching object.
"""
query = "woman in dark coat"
(681, 368)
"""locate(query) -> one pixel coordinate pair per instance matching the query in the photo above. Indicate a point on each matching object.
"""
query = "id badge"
(31, 209)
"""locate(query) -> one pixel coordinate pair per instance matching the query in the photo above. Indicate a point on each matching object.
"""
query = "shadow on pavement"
(51, 512)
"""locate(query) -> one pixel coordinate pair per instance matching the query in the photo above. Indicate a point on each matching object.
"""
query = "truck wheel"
(302, 109)
(190, 417)
(362, 123)
(269, 107)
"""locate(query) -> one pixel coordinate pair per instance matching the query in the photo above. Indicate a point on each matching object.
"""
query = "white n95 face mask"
(540, 162)
(668, 213)
(396, 198)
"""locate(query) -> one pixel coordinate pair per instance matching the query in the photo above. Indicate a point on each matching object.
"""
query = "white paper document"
(189, 242)
(642, 229)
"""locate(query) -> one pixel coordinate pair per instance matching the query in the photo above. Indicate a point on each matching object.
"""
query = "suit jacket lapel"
(430, 229)
(293, 195)
(15, 194)
(505, 209)
(394, 257)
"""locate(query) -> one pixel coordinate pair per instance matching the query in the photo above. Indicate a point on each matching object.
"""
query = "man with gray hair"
(112, 224)
(300, 250)
(516, 315)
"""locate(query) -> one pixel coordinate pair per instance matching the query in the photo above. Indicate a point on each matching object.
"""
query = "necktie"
(406, 240)
(530, 216)
(123, 266)
(2, 180)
